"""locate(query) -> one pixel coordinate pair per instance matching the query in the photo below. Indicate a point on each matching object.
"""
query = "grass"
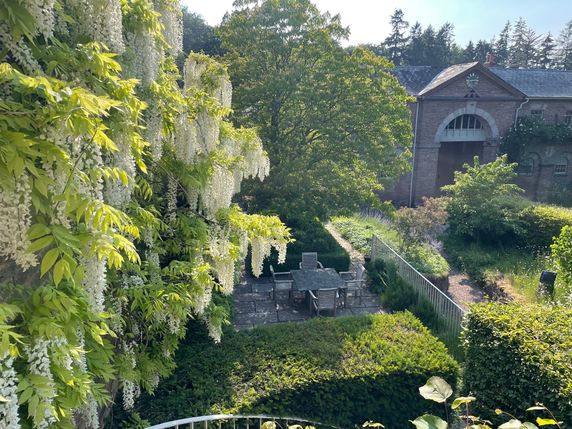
(520, 267)
(358, 231)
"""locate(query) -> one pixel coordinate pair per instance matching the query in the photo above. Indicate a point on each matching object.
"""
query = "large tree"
(564, 52)
(501, 48)
(546, 52)
(198, 35)
(523, 50)
(332, 121)
(414, 49)
(396, 41)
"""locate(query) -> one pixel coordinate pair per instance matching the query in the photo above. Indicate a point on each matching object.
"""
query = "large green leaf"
(428, 421)
(436, 389)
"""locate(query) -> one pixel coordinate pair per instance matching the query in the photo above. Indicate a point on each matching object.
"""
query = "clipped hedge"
(341, 371)
(310, 236)
(541, 223)
(516, 356)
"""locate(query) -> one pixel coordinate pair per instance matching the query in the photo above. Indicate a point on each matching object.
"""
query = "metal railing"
(238, 421)
(449, 312)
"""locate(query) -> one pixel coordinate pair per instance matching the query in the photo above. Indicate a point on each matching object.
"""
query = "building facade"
(466, 109)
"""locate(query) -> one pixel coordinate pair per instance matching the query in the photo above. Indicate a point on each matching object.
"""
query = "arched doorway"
(461, 137)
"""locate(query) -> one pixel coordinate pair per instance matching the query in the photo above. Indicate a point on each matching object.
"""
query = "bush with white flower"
(116, 216)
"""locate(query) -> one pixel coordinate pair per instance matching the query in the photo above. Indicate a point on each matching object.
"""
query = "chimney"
(490, 60)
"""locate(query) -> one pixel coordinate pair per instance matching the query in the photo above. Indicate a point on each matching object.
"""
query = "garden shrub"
(340, 371)
(310, 236)
(518, 355)
(541, 223)
(359, 230)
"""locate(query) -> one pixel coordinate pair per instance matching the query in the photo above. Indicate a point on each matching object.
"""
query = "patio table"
(312, 280)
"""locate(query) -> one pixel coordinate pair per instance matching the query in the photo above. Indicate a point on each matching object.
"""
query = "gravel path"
(355, 256)
(463, 291)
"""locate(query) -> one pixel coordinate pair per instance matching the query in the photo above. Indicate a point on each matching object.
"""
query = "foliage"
(438, 390)
(198, 35)
(516, 355)
(482, 201)
(359, 230)
(420, 225)
(540, 224)
(562, 253)
(309, 236)
(341, 371)
(530, 132)
(115, 204)
(331, 120)
(397, 295)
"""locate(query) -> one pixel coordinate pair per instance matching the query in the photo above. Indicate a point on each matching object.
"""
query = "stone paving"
(253, 305)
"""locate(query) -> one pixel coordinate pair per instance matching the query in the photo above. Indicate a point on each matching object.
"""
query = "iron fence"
(239, 421)
(449, 312)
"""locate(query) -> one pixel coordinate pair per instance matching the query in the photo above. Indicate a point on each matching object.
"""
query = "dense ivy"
(115, 204)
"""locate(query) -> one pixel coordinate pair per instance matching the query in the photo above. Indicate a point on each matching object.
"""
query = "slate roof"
(538, 83)
(447, 74)
(418, 80)
(415, 78)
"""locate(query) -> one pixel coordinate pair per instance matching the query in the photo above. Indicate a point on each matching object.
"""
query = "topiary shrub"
(340, 371)
(517, 355)
(541, 223)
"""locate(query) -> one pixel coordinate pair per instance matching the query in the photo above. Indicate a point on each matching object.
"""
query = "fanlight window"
(465, 122)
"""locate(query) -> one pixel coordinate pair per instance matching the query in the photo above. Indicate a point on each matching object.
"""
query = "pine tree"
(444, 43)
(414, 49)
(429, 47)
(546, 52)
(523, 51)
(397, 41)
(564, 48)
(481, 50)
(469, 52)
(501, 47)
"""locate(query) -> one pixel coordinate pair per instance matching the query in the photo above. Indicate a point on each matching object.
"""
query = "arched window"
(465, 122)
(561, 167)
(526, 167)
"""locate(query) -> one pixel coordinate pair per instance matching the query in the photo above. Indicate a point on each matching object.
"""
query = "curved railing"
(237, 421)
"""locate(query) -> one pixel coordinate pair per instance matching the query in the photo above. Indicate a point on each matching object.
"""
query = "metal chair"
(282, 281)
(310, 261)
(324, 299)
(354, 281)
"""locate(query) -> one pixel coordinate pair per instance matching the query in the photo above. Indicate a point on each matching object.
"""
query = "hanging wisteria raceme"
(8, 391)
(80, 186)
(15, 219)
(39, 364)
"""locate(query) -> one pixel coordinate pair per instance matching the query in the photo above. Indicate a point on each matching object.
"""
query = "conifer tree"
(469, 52)
(414, 49)
(501, 47)
(546, 52)
(523, 51)
(564, 48)
(397, 41)
(481, 50)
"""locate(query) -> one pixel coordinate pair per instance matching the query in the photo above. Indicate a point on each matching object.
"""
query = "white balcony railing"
(239, 421)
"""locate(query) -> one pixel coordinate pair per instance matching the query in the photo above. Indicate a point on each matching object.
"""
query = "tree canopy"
(332, 121)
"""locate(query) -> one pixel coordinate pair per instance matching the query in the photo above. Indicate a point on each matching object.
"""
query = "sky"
(473, 19)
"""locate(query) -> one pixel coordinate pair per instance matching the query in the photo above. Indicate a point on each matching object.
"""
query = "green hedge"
(518, 355)
(541, 223)
(341, 371)
(310, 236)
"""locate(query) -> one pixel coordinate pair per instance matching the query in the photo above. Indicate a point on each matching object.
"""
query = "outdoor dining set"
(323, 289)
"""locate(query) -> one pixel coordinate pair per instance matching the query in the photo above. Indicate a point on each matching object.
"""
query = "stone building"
(466, 109)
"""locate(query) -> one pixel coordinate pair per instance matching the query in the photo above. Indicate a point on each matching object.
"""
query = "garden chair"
(281, 281)
(324, 299)
(310, 261)
(354, 281)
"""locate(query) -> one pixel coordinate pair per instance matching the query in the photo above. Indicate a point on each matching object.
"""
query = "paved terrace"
(253, 305)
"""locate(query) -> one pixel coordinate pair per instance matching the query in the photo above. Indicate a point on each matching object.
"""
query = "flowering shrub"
(115, 204)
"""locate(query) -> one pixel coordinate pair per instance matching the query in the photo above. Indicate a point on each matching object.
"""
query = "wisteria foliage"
(116, 217)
